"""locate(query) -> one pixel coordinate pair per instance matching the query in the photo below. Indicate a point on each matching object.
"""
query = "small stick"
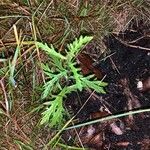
(132, 46)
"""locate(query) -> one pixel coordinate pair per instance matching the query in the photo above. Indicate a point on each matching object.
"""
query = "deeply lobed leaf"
(50, 50)
(64, 67)
(77, 45)
(54, 113)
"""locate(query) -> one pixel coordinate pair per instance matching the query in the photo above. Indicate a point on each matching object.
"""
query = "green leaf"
(57, 63)
(48, 87)
(77, 45)
(95, 85)
(50, 50)
(45, 67)
(53, 115)
(77, 76)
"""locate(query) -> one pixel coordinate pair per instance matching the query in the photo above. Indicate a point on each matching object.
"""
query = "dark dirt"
(123, 67)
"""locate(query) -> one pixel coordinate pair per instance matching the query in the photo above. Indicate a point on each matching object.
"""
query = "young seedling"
(60, 71)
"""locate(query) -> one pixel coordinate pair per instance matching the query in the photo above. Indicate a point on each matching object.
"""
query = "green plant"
(63, 77)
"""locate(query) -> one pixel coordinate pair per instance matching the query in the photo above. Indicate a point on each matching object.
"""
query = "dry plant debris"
(111, 22)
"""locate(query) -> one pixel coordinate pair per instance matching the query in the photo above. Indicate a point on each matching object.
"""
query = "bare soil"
(127, 63)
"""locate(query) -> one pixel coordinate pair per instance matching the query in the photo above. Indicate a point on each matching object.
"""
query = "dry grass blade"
(22, 24)
(7, 104)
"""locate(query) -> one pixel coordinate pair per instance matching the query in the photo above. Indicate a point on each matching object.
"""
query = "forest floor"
(118, 54)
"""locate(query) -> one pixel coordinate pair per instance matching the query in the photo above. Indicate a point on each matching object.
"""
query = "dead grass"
(56, 22)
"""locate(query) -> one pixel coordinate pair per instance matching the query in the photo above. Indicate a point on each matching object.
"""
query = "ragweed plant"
(63, 77)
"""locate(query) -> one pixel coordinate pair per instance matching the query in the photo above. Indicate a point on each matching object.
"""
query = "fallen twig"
(132, 46)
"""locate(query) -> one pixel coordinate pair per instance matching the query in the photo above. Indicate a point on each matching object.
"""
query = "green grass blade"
(109, 118)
